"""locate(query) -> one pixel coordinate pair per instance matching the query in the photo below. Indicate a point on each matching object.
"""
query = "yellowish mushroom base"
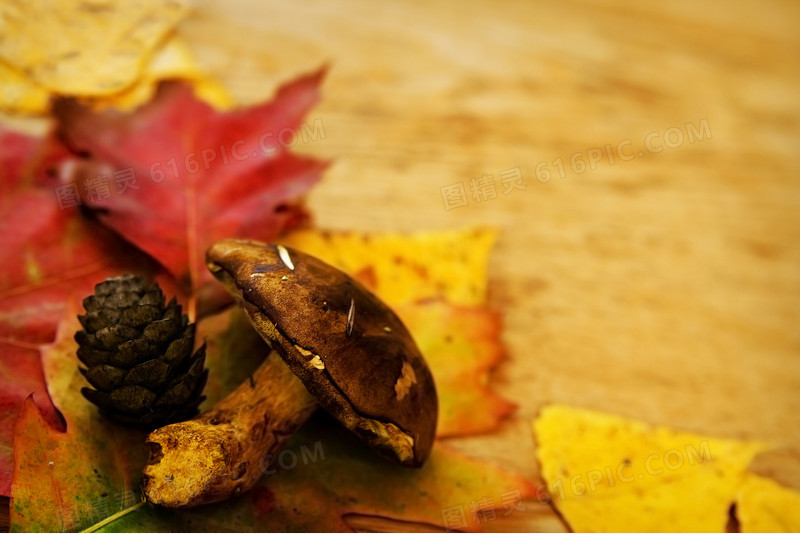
(225, 451)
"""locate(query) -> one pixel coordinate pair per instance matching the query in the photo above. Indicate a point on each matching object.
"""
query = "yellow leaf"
(402, 269)
(173, 61)
(608, 473)
(766, 506)
(89, 48)
(213, 93)
(18, 94)
(123, 77)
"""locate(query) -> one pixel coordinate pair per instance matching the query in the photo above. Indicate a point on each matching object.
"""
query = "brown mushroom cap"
(349, 348)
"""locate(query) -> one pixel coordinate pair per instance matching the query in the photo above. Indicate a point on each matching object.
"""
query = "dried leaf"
(52, 255)
(323, 475)
(608, 473)
(462, 346)
(49, 255)
(48, 251)
(89, 48)
(764, 505)
(24, 365)
(194, 175)
(19, 94)
(172, 61)
(352, 480)
(450, 264)
(64, 480)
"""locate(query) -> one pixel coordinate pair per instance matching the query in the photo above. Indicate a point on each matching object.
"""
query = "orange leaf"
(461, 345)
(59, 477)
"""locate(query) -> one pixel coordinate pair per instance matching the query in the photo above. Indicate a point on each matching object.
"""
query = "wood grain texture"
(664, 287)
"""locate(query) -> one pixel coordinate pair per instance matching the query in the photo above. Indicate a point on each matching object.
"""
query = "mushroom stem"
(227, 449)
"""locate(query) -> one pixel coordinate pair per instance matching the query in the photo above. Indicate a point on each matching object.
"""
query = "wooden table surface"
(661, 279)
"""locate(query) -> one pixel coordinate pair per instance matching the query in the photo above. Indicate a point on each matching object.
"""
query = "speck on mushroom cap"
(349, 348)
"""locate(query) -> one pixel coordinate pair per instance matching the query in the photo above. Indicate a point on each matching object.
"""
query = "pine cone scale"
(111, 336)
(134, 352)
(105, 377)
(178, 349)
(91, 356)
(140, 316)
(162, 330)
(133, 400)
(146, 373)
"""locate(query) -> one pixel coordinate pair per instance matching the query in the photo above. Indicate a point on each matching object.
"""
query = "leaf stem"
(111, 518)
(191, 245)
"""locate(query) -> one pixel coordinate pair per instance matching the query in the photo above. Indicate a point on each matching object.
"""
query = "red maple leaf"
(177, 175)
(50, 254)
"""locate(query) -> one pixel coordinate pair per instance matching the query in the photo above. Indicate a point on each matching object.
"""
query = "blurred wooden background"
(664, 287)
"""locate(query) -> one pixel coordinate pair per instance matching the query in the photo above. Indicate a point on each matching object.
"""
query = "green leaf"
(324, 474)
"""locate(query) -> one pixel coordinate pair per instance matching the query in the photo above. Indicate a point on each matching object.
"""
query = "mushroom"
(336, 345)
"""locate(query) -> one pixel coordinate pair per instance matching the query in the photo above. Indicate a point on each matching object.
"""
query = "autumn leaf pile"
(108, 54)
(146, 192)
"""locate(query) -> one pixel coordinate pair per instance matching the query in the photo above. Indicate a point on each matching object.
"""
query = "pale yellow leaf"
(19, 94)
(86, 48)
(767, 506)
(173, 61)
(608, 473)
(402, 269)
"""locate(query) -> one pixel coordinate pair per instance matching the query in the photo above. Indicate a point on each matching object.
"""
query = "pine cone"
(138, 354)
